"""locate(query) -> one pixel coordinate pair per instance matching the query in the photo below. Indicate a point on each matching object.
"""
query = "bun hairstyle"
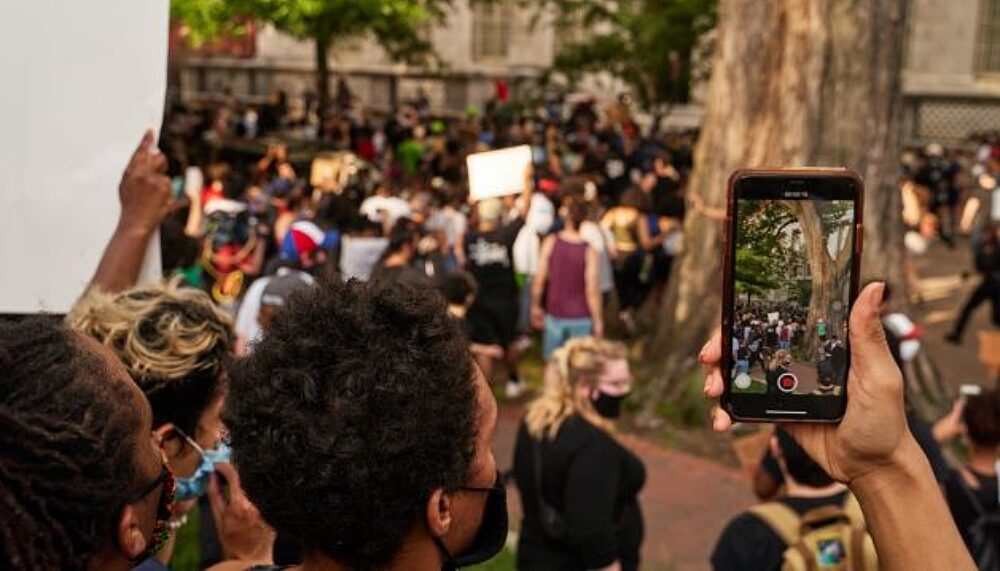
(579, 361)
(174, 342)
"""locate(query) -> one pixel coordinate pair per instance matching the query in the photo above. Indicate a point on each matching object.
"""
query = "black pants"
(989, 290)
(631, 291)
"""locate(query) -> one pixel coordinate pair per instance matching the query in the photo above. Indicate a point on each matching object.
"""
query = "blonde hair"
(161, 332)
(580, 360)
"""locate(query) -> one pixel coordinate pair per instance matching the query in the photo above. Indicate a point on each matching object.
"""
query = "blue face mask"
(196, 485)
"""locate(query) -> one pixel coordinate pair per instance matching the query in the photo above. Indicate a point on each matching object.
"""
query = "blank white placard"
(82, 81)
(498, 173)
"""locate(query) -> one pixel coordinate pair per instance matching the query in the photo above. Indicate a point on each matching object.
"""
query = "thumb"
(870, 355)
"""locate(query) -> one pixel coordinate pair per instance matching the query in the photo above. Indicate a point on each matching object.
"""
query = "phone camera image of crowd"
(792, 296)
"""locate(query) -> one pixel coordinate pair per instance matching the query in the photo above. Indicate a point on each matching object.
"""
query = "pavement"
(945, 282)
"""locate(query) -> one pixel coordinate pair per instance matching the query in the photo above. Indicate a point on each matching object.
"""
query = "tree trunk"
(322, 76)
(794, 83)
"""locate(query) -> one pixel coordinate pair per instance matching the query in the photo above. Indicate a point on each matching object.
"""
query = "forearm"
(538, 286)
(594, 304)
(907, 516)
(122, 259)
(193, 228)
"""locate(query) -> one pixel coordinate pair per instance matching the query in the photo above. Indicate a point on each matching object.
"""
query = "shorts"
(493, 322)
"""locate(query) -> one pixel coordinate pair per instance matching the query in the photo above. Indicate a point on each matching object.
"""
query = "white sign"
(83, 81)
(358, 256)
(498, 173)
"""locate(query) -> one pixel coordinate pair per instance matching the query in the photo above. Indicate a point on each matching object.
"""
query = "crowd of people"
(314, 376)
(769, 337)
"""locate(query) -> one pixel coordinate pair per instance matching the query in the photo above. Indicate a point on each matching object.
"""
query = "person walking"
(988, 264)
(568, 277)
(579, 486)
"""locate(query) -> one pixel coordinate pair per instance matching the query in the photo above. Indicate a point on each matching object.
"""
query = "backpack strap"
(781, 519)
(852, 509)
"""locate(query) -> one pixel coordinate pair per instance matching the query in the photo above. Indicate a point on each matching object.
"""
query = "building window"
(491, 30)
(988, 38)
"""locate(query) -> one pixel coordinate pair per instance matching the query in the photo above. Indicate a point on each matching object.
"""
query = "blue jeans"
(559, 330)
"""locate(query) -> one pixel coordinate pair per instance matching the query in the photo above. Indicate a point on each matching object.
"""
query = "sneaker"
(515, 388)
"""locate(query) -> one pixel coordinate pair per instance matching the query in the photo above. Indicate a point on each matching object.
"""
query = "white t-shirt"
(392, 206)
(527, 247)
(358, 256)
(450, 221)
(598, 237)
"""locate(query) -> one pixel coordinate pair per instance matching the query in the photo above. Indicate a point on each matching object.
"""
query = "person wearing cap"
(303, 251)
(279, 290)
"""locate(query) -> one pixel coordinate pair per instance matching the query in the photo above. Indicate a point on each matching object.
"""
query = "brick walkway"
(686, 501)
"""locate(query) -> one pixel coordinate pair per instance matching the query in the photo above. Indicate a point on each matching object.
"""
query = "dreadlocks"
(67, 447)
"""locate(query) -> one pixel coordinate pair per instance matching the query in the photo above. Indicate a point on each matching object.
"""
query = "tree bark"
(794, 83)
(322, 75)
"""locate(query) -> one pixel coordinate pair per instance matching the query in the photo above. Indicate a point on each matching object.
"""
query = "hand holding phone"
(790, 277)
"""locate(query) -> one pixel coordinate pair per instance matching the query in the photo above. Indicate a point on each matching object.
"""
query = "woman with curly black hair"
(82, 487)
(362, 429)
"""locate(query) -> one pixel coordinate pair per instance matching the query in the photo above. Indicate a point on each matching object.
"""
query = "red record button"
(787, 382)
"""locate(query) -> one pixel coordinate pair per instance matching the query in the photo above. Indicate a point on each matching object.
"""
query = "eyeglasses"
(498, 483)
(164, 477)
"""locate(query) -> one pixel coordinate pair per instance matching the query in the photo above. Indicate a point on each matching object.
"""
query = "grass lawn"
(757, 387)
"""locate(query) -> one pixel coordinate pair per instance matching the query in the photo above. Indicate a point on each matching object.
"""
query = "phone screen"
(793, 260)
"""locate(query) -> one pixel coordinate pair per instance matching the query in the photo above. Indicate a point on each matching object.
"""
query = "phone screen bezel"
(833, 184)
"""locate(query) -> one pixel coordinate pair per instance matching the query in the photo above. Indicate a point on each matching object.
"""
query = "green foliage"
(398, 25)
(646, 43)
(753, 273)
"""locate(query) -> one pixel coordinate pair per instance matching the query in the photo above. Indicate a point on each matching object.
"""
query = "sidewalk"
(686, 501)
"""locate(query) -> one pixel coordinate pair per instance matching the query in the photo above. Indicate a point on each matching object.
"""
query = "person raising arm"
(873, 451)
(144, 193)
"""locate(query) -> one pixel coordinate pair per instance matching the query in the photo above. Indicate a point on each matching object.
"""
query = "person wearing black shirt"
(987, 264)
(489, 254)
(579, 486)
(748, 543)
(972, 491)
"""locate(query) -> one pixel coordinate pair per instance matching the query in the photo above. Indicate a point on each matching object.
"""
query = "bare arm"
(542, 275)
(529, 188)
(873, 451)
(144, 193)
(907, 516)
(593, 279)
(647, 242)
(538, 285)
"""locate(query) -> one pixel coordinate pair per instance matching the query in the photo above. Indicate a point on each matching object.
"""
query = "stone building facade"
(951, 77)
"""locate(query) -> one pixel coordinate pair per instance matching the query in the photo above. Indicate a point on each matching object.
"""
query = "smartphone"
(970, 390)
(793, 240)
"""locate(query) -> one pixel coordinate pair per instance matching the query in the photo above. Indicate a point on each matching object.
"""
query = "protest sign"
(88, 79)
(498, 173)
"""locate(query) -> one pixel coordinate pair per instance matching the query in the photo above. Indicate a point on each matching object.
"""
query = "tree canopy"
(396, 24)
(646, 43)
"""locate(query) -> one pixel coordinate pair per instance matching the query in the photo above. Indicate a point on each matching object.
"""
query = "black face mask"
(492, 534)
(609, 406)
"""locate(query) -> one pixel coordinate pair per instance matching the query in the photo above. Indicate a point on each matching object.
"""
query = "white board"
(82, 81)
(498, 173)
